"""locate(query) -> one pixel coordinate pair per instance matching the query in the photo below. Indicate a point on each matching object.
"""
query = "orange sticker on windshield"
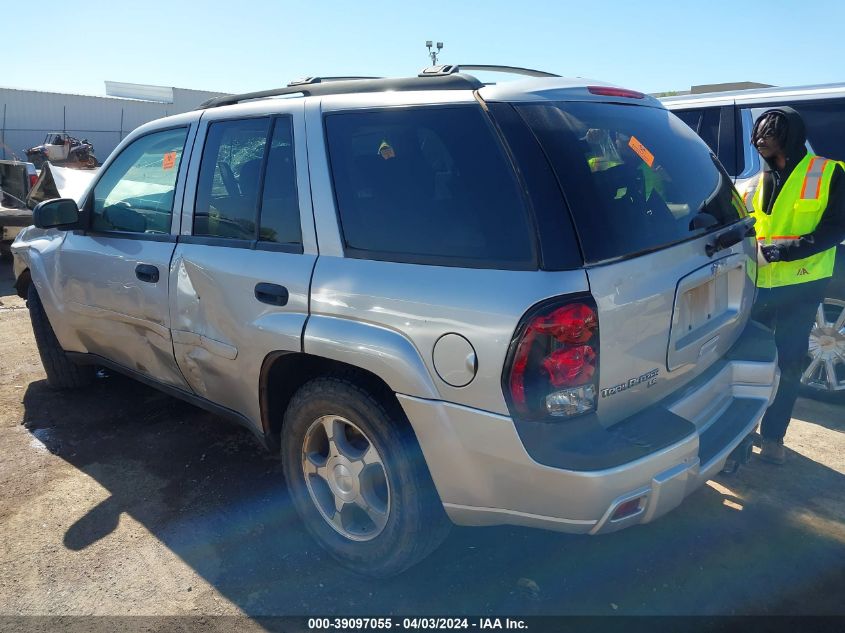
(169, 160)
(642, 152)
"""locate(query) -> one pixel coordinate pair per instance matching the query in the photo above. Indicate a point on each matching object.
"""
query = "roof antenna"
(433, 53)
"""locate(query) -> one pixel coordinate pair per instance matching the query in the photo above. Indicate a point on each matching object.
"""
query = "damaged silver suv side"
(441, 301)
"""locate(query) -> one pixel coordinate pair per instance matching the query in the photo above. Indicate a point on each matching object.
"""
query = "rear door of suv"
(242, 267)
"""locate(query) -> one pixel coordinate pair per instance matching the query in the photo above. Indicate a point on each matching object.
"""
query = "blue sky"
(233, 46)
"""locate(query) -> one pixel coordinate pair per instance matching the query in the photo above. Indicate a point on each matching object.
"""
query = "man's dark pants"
(790, 311)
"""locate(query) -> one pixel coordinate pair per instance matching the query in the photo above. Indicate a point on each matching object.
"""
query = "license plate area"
(707, 309)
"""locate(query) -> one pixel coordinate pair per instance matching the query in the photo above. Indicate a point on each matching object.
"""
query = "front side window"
(229, 179)
(135, 194)
(635, 177)
(428, 185)
(825, 125)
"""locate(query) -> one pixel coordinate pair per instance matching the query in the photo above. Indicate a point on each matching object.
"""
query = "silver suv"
(440, 301)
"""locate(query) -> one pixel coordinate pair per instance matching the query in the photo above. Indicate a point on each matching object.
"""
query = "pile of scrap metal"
(61, 148)
(59, 182)
(52, 182)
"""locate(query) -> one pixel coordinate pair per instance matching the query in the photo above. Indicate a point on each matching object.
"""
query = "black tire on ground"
(416, 522)
(61, 372)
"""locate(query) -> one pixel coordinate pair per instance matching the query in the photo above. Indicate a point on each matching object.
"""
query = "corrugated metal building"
(26, 116)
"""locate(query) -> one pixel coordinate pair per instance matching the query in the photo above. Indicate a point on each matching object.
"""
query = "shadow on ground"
(827, 413)
(206, 489)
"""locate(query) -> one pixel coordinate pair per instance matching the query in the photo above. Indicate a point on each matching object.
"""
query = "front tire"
(61, 372)
(358, 478)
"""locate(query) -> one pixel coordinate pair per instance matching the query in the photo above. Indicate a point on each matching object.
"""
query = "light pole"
(433, 53)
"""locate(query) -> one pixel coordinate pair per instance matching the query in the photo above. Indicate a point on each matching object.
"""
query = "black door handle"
(147, 272)
(274, 294)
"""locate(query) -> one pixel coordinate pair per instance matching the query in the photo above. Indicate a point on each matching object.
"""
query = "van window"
(428, 185)
(635, 177)
(825, 122)
(705, 123)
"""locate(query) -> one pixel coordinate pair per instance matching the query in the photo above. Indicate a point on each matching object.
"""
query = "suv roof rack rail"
(452, 81)
(451, 69)
(316, 80)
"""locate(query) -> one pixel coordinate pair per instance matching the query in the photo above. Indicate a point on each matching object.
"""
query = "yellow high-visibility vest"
(797, 211)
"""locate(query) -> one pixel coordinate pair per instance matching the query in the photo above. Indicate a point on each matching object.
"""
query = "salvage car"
(60, 148)
(439, 301)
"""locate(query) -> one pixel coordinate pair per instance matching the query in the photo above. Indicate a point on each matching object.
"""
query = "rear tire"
(385, 518)
(61, 372)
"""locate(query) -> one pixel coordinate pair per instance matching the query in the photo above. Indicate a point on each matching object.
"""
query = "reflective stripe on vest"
(813, 180)
(747, 191)
(797, 211)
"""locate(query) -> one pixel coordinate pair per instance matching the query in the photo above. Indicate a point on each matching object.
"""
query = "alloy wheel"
(346, 478)
(825, 368)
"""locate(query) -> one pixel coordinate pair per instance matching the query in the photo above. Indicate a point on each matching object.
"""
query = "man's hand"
(772, 253)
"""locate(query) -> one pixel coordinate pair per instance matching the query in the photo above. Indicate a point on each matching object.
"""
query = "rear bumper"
(488, 473)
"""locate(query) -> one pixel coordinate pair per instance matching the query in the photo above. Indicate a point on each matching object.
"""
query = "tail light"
(33, 178)
(552, 367)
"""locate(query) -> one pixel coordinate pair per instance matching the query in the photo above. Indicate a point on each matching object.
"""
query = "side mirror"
(62, 213)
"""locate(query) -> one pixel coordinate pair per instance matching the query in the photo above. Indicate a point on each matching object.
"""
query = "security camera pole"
(433, 53)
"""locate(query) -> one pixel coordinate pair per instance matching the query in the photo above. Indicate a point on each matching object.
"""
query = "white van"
(724, 120)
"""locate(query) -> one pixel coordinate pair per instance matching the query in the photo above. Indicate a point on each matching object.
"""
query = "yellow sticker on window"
(169, 160)
(641, 151)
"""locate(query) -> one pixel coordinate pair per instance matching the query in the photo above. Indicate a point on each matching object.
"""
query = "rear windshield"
(635, 177)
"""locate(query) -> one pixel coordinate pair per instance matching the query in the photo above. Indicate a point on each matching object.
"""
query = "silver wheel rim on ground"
(826, 353)
(346, 478)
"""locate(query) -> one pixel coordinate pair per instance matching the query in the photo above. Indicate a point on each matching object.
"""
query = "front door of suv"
(243, 264)
(114, 275)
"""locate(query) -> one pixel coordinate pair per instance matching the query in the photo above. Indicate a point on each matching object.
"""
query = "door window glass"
(279, 202)
(825, 122)
(704, 122)
(135, 194)
(229, 179)
(690, 117)
(428, 185)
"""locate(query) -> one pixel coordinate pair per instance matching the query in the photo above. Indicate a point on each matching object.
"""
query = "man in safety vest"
(799, 206)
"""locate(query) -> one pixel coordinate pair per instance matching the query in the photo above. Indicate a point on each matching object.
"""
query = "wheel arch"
(23, 282)
(283, 373)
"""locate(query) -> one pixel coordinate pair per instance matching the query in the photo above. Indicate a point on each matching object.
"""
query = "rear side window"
(635, 177)
(279, 201)
(428, 185)
(247, 190)
(230, 172)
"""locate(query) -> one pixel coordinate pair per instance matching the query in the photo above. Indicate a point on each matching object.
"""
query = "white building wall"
(26, 116)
